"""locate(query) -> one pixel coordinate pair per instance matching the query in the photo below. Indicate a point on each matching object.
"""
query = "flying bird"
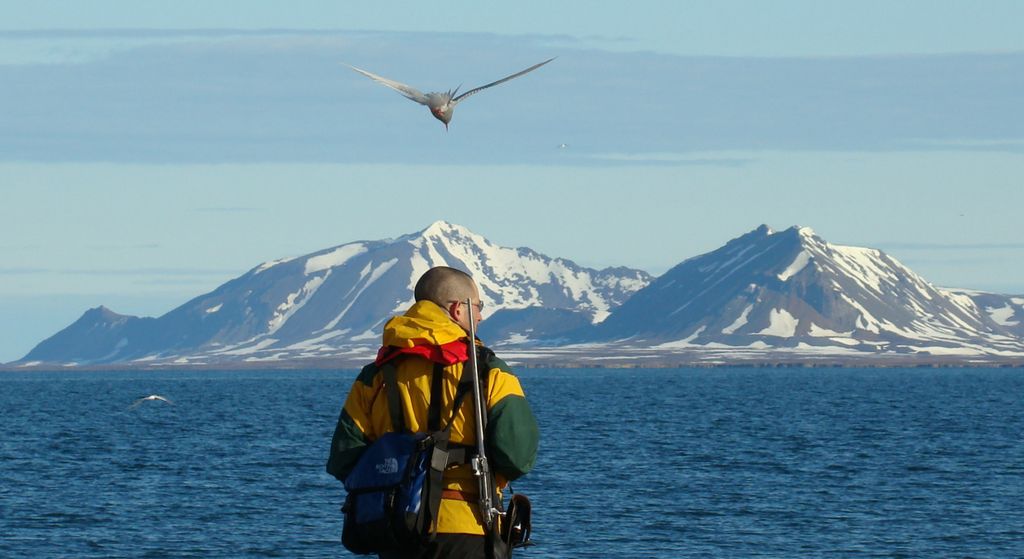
(148, 398)
(441, 104)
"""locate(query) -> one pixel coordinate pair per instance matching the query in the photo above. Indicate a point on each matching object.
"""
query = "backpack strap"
(434, 411)
(394, 398)
(395, 408)
(441, 456)
(445, 453)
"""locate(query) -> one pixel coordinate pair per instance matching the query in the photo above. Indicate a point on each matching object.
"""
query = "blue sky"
(150, 151)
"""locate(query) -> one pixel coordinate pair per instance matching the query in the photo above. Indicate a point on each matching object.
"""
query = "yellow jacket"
(423, 335)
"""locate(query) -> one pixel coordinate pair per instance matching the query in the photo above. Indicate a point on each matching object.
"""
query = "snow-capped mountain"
(334, 302)
(766, 296)
(791, 290)
(1005, 310)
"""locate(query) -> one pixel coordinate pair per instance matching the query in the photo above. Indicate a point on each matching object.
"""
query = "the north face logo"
(388, 466)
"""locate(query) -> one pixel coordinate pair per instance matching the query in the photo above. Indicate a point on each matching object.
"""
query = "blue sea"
(670, 463)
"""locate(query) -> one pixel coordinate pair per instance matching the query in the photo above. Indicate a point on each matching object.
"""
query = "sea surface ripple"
(670, 463)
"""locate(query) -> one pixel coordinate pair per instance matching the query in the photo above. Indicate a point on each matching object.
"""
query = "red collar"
(447, 354)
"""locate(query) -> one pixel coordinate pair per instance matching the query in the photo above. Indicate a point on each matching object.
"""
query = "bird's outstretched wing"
(408, 91)
(502, 80)
(148, 398)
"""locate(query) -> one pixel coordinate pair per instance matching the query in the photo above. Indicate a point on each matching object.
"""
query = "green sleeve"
(512, 436)
(347, 446)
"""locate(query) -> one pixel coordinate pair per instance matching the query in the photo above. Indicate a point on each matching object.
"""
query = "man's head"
(449, 288)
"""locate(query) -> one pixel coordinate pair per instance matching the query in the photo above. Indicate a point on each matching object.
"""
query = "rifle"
(515, 523)
(481, 469)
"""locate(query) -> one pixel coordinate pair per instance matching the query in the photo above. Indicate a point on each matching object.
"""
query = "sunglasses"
(479, 304)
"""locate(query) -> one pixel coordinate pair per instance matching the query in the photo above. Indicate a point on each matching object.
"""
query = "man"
(434, 330)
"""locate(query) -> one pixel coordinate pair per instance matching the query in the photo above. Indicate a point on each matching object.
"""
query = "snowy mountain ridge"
(764, 297)
(792, 291)
(335, 301)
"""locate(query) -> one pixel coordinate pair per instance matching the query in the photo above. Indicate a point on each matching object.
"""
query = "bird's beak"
(446, 127)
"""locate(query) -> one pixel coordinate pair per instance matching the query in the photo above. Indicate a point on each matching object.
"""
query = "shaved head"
(443, 285)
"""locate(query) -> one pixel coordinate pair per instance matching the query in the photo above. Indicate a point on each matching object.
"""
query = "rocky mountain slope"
(792, 290)
(333, 303)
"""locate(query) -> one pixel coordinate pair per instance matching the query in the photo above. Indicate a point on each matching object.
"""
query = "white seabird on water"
(150, 397)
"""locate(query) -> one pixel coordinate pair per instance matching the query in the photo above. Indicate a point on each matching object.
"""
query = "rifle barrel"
(480, 467)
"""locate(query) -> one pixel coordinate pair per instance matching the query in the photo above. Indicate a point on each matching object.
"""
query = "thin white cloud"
(964, 144)
(20, 271)
(227, 209)
(681, 159)
(952, 246)
(220, 96)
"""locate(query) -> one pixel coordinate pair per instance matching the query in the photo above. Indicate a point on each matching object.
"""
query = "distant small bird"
(441, 104)
(150, 397)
